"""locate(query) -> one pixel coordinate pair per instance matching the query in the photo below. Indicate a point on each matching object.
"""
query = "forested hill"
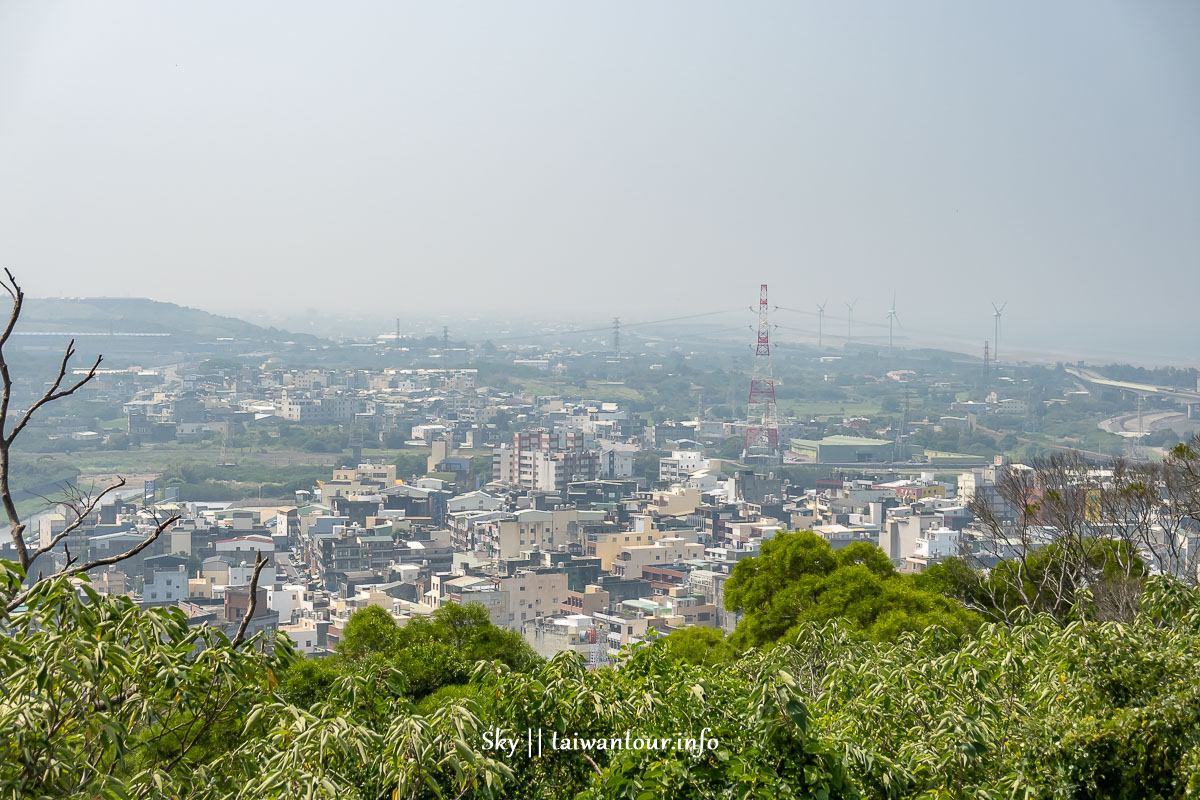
(141, 315)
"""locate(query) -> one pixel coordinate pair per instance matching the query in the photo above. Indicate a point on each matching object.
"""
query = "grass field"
(150, 458)
(598, 390)
(829, 408)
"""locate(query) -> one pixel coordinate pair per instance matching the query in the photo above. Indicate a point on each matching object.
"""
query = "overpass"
(1185, 397)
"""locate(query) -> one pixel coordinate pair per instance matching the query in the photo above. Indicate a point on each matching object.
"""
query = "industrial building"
(844, 450)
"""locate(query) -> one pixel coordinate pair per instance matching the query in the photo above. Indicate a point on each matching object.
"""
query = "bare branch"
(15, 292)
(259, 563)
(67, 572)
(595, 766)
(107, 704)
(10, 508)
(82, 509)
(54, 392)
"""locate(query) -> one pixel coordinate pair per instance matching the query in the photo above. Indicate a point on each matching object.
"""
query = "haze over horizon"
(579, 162)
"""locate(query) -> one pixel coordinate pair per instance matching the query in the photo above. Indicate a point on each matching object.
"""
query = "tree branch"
(53, 393)
(81, 513)
(259, 563)
(18, 599)
(7, 438)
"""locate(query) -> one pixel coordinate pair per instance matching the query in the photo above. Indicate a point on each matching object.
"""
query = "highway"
(1183, 396)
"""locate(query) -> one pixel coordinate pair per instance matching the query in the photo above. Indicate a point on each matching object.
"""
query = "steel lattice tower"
(762, 429)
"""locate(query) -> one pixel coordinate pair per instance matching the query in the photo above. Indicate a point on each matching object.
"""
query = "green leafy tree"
(699, 646)
(645, 465)
(409, 464)
(429, 653)
(370, 630)
(799, 579)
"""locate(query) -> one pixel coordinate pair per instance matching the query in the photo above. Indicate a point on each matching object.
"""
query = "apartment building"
(667, 550)
(545, 460)
(680, 464)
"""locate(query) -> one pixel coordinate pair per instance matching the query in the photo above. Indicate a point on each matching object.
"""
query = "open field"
(585, 389)
(828, 408)
(153, 459)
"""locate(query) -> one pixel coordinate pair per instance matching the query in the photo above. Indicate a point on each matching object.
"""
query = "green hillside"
(141, 315)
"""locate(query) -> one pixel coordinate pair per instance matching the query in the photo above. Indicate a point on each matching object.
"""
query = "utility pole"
(902, 431)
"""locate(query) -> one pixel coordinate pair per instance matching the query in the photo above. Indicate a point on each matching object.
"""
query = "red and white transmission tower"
(762, 429)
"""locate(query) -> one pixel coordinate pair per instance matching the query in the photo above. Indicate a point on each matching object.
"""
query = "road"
(1185, 396)
(1127, 424)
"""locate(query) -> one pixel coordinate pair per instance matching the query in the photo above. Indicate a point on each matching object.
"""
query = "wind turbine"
(892, 318)
(850, 320)
(821, 322)
(998, 310)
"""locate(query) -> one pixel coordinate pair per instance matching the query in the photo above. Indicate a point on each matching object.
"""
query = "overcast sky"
(643, 159)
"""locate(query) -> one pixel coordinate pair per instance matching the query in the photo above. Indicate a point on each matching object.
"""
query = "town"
(599, 401)
(583, 522)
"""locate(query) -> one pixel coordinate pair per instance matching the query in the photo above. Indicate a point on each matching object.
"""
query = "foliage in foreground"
(1036, 709)
(107, 700)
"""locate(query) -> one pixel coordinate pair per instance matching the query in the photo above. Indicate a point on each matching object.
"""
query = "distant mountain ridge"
(100, 315)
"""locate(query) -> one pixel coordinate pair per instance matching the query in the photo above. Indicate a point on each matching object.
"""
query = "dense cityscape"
(599, 401)
(584, 514)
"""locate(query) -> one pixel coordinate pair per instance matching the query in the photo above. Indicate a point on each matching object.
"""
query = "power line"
(610, 326)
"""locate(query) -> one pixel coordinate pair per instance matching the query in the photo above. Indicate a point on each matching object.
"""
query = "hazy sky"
(647, 159)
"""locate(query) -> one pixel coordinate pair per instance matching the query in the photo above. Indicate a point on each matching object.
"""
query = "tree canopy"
(423, 655)
(797, 579)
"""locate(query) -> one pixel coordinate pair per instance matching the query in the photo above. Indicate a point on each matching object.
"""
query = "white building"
(680, 464)
(165, 586)
(286, 601)
(937, 543)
